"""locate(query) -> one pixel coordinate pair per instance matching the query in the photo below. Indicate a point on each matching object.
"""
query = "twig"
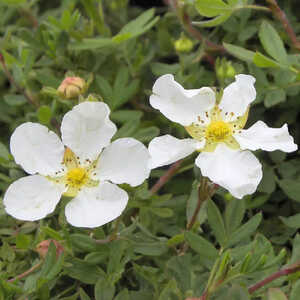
(15, 84)
(201, 199)
(32, 269)
(114, 236)
(189, 28)
(289, 270)
(197, 35)
(166, 177)
(281, 16)
(29, 98)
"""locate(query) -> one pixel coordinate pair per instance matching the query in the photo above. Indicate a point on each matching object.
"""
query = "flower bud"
(42, 248)
(72, 87)
(184, 44)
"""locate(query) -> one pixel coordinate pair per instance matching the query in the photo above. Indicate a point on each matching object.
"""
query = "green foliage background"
(121, 48)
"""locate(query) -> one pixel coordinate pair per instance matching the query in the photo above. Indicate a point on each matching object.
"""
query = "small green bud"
(72, 87)
(224, 69)
(230, 72)
(184, 44)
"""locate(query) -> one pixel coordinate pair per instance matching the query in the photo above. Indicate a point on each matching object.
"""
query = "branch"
(32, 269)
(189, 28)
(283, 272)
(166, 177)
(15, 84)
(281, 16)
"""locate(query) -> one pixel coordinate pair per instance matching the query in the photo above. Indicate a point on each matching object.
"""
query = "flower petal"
(167, 149)
(86, 129)
(96, 206)
(36, 149)
(260, 136)
(32, 198)
(126, 160)
(237, 97)
(180, 105)
(237, 171)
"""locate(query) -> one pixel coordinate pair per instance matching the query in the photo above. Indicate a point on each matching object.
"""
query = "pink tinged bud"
(72, 87)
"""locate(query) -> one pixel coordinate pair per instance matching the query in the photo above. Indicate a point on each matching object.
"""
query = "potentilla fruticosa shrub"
(148, 150)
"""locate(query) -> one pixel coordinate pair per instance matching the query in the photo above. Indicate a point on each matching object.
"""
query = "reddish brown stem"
(281, 16)
(189, 28)
(15, 84)
(166, 177)
(274, 276)
(198, 207)
(26, 273)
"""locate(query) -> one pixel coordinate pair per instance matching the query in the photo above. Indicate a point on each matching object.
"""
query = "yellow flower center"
(218, 131)
(76, 177)
(75, 174)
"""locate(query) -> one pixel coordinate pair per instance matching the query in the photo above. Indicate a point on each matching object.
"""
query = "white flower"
(87, 168)
(217, 132)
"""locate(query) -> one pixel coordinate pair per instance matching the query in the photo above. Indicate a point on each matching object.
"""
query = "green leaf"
(104, 290)
(170, 289)
(291, 188)
(234, 214)
(83, 295)
(4, 152)
(128, 129)
(276, 294)
(293, 221)
(272, 42)
(239, 52)
(237, 292)
(122, 116)
(141, 24)
(44, 114)
(105, 89)
(216, 222)
(123, 295)
(201, 245)
(52, 233)
(264, 62)
(83, 271)
(267, 184)
(122, 90)
(245, 230)
(145, 135)
(215, 21)
(23, 241)
(56, 268)
(295, 291)
(13, 2)
(163, 212)
(159, 69)
(151, 248)
(83, 242)
(49, 261)
(15, 100)
(275, 97)
(211, 8)
(92, 43)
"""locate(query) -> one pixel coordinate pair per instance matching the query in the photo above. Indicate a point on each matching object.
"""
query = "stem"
(15, 84)
(32, 269)
(281, 16)
(257, 7)
(189, 28)
(199, 204)
(29, 98)
(114, 236)
(166, 177)
(289, 270)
